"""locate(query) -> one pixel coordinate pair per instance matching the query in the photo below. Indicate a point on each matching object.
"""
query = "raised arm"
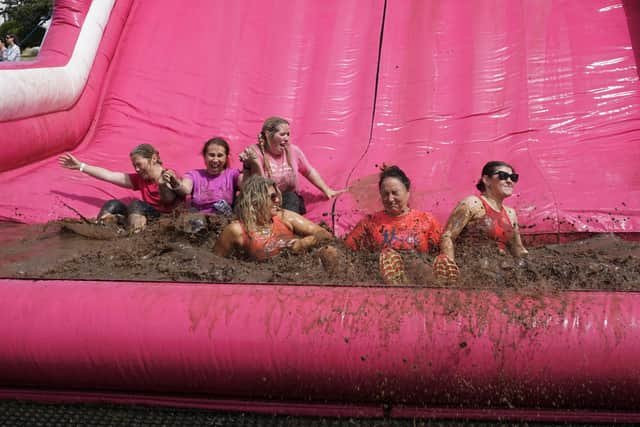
(250, 162)
(121, 179)
(181, 187)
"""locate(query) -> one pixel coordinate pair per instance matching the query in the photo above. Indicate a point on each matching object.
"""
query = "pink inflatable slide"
(438, 87)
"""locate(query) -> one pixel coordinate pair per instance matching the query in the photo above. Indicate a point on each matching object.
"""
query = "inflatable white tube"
(29, 92)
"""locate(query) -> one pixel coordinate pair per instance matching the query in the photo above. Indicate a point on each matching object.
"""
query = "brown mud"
(180, 250)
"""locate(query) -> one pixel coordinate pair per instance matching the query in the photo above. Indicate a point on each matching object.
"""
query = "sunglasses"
(502, 176)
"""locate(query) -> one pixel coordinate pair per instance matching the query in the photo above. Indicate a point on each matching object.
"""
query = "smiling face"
(215, 159)
(143, 166)
(394, 196)
(499, 188)
(278, 141)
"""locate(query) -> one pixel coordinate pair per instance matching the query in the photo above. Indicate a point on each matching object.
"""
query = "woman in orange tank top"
(397, 228)
(263, 229)
(482, 216)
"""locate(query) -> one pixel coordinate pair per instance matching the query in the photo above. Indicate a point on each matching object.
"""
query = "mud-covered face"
(279, 140)
(501, 182)
(394, 196)
(143, 166)
(215, 159)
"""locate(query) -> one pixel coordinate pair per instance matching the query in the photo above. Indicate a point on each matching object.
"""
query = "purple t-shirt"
(209, 189)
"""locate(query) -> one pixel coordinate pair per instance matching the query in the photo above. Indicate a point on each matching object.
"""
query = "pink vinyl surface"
(407, 346)
(436, 87)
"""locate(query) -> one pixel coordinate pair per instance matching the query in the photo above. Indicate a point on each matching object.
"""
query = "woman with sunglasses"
(263, 228)
(484, 216)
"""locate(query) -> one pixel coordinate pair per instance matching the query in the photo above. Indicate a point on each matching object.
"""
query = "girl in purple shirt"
(212, 190)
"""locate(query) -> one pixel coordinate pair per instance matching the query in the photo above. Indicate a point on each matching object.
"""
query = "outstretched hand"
(67, 160)
(445, 270)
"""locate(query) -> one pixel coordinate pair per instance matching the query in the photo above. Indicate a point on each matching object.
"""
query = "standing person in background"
(2, 49)
(157, 197)
(276, 158)
(482, 217)
(213, 189)
(12, 50)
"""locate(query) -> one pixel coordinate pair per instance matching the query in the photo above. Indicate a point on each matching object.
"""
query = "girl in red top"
(157, 196)
(482, 216)
(263, 229)
(396, 228)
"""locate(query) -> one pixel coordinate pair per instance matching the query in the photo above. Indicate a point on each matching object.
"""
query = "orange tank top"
(262, 245)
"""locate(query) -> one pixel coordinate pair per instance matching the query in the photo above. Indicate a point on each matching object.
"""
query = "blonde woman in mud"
(276, 158)
(157, 196)
(263, 228)
(484, 216)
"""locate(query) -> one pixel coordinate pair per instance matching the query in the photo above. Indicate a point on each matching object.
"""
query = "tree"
(25, 16)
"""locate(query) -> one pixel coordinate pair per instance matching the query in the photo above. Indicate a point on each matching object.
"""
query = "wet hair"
(253, 205)
(394, 172)
(489, 169)
(145, 151)
(221, 142)
(270, 126)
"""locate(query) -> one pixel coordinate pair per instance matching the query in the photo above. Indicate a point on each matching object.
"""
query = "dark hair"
(489, 169)
(220, 142)
(394, 172)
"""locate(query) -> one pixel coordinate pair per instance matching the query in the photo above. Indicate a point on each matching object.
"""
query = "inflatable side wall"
(437, 87)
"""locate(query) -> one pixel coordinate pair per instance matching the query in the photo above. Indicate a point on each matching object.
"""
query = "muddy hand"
(247, 154)
(392, 267)
(170, 179)
(445, 269)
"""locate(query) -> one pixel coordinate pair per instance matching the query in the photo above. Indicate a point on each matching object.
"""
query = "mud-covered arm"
(67, 160)
(181, 187)
(310, 233)
(167, 194)
(515, 245)
(229, 240)
(458, 220)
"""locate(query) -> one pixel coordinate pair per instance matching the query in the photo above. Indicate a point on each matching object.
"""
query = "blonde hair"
(145, 151)
(271, 126)
(253, 205)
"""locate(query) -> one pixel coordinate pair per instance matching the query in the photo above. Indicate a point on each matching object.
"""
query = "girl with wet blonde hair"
(263, 228)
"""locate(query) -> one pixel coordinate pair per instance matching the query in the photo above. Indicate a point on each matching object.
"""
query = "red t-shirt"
(417, 231)
(151, 193)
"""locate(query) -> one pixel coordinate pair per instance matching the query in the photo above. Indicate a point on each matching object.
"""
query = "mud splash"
(181, 251)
